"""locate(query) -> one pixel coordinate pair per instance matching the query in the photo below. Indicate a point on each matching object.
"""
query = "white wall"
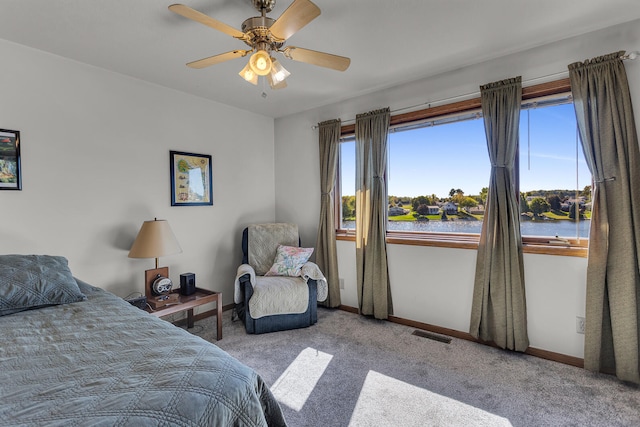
(95, 165)
(435, 285)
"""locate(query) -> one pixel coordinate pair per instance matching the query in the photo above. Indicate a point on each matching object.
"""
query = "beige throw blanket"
(264, 240)
(280, 294)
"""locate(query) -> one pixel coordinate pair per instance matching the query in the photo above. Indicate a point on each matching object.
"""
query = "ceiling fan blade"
(200, 17)
(327, 60)
(216, 59)
(297, 15)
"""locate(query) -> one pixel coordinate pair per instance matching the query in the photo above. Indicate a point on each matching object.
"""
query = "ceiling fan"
(266, 36)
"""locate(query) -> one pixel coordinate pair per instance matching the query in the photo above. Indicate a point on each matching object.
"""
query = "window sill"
(534, 245)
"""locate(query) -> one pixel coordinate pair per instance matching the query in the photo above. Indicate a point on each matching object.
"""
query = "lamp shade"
(278, 72)
(277, 75)
(260, 63)
(155, 239)
(248, 74)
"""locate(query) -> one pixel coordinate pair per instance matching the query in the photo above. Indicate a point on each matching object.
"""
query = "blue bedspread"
(104, 362)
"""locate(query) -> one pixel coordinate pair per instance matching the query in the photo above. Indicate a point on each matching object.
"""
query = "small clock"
(161, 285)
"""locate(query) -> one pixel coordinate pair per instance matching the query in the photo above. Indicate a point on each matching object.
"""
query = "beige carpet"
(353, 371)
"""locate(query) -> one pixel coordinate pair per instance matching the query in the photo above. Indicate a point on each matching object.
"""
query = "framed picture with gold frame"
(191, 179)
(10, 173)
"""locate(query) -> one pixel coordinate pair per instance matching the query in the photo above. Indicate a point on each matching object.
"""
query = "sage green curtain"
(610, 143)
(499, 311)
(374, 292)
(326, 252)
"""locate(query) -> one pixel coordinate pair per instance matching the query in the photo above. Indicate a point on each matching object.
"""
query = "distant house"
(566, 205)
(580, 201)
(433, 210)
(397, 211)
(450, 208)
(476, 210)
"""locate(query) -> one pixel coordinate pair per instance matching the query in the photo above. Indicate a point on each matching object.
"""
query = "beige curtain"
(610, 144)
(499, 311)
(374, 293)
(326, 253)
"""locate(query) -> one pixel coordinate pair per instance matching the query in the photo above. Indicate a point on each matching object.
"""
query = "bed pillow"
(32, 281)
(289, 260)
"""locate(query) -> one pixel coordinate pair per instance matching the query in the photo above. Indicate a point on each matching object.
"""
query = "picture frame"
(191, 179)
(10, 170)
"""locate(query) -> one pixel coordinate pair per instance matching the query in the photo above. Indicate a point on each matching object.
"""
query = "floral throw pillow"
(289, 260)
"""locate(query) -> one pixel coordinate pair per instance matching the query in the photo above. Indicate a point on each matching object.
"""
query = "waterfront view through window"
(438, 174)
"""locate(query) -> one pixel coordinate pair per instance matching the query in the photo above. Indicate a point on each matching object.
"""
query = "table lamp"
(155, 239)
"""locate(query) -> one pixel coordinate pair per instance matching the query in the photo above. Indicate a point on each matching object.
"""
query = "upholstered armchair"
(276, 287)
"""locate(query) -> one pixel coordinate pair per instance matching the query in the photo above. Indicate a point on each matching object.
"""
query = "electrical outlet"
(580, 325)
(341, 283)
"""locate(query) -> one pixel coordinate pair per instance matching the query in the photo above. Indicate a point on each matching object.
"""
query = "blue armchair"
(259, 246)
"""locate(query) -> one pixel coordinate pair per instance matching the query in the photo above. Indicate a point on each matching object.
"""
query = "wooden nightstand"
(200, 297)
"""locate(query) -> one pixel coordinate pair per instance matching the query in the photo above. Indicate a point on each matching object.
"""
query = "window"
(436, 172)
(555, 182)
(347, 184)
(438, 175)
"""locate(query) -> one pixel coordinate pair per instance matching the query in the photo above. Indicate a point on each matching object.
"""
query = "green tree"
(423, 210)
(468, 202)
(417, 201)
(421, 200)
(574, 211)
(539, 205)
(524, 206)
(554, 202)
(348, 207)
(455, 191)
(586, 192)
(458, 197)
(483, 195)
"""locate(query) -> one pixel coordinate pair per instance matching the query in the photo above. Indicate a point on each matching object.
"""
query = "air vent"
(431, 336)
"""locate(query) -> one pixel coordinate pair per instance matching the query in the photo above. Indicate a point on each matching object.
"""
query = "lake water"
(527, 228)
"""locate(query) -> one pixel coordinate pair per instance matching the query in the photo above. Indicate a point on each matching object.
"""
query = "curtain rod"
(629, 56)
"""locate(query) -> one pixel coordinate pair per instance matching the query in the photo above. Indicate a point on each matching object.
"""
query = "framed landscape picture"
(10, 160)
(191, 179)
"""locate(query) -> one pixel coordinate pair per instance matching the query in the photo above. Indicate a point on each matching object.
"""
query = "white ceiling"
(389, 42)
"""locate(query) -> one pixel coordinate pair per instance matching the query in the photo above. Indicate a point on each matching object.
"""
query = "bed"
(94, 359)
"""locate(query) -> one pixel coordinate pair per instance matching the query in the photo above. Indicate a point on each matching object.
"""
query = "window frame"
(536, 245)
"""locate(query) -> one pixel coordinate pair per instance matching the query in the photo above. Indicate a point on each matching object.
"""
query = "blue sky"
(432, 160)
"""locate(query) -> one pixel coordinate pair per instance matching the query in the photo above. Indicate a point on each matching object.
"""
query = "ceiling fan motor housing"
(257, 31)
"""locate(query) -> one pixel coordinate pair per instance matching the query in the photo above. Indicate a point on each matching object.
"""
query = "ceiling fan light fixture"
(278, 73)
(274, 84)
(260, 63)
(248, 74)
